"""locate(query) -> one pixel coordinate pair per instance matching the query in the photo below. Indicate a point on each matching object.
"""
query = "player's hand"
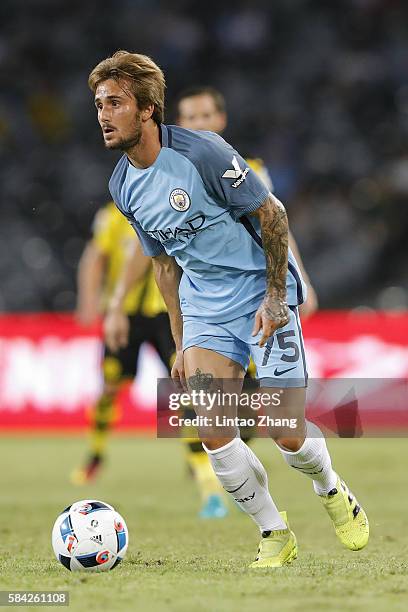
(311, 304)
(271, 315)
(87, 314)
(178, 373)
(116, 330)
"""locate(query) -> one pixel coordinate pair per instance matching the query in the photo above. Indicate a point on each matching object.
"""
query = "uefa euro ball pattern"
(90, 536)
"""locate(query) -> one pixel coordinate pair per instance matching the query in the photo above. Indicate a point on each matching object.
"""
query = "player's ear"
(147, 112)
(223, 122)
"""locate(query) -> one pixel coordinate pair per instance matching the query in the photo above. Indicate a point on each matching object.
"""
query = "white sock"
(313, 459)
(243, 475)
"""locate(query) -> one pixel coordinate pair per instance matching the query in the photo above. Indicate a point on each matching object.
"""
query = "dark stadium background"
(318, 89)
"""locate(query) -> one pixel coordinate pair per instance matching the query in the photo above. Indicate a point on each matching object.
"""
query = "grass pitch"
(175, 561)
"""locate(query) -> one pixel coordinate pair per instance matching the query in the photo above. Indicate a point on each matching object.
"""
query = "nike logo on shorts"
(277, 373)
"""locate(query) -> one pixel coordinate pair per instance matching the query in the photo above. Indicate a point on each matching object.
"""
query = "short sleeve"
(227, 176)
(151, 246)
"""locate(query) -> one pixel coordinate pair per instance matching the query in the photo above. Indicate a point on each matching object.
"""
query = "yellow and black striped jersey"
(113, 235)
(259, 167)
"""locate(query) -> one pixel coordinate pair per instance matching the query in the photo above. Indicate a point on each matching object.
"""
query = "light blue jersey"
(193, 203)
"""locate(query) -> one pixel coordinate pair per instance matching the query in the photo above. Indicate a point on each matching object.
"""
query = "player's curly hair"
(146, 80)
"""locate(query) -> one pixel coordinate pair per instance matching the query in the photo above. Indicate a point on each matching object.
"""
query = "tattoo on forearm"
(274, 226)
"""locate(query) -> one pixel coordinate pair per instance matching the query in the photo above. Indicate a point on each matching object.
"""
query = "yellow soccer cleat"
(87, 473)
(349, 519)
(276, 549)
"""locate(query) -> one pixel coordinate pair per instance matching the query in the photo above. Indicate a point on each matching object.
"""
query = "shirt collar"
(164, 135)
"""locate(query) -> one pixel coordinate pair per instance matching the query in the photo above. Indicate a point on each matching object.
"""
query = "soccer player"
(204, 108)
(219, 245)
(140, 315)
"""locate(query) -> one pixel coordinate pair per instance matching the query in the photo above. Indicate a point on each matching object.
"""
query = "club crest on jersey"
(179, 200)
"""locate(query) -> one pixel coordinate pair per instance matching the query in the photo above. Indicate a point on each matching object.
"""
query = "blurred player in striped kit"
(140, 316)
(204, 108)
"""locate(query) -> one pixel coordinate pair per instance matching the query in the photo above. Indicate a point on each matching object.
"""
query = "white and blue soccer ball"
(90, 536)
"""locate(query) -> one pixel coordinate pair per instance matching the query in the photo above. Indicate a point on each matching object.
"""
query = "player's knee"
(215, 443)
(292, 444)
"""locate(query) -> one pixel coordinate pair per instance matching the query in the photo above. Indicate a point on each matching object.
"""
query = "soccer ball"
(90, 536)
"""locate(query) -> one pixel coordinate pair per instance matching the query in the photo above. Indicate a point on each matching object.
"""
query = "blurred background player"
(135, 313)
(203, 108)
(139, 316)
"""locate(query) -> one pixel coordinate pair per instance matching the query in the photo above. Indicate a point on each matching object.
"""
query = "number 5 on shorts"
(288, 345)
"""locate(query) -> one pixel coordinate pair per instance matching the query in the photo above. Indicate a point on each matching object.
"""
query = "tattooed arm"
(273, 312)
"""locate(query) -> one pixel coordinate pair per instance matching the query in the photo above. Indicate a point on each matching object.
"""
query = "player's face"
(118, 115)
(201, 113)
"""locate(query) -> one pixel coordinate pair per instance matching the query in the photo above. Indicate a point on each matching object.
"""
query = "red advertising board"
(50, 375)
